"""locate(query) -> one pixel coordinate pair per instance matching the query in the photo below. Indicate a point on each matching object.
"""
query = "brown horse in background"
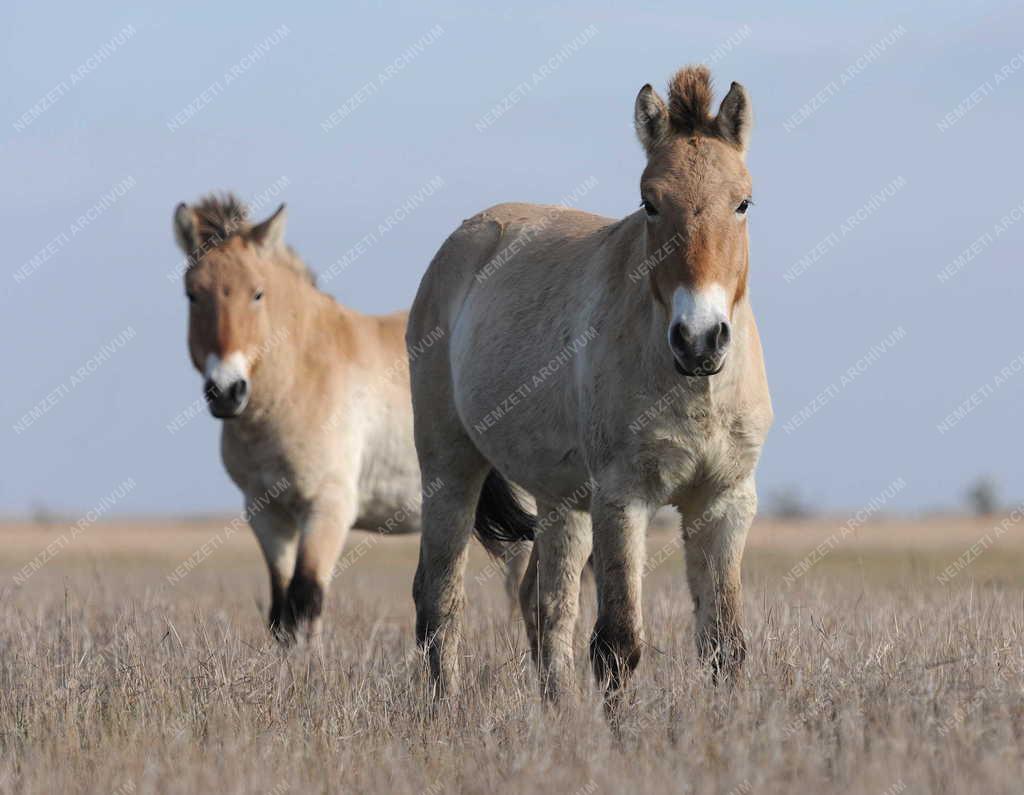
(317, 429)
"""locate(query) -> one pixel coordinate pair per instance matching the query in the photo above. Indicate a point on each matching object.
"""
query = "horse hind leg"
(529, 604)
(453, 472)
(515, 559)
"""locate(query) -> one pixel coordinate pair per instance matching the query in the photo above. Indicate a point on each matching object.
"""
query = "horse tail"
(500, 517)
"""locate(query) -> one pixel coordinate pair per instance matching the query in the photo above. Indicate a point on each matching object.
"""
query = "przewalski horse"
(317, 428)
(617, 360)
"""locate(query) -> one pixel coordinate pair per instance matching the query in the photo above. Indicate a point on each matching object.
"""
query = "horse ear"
(650, 118)
(269, 235)
(185, 228)
(735, 118)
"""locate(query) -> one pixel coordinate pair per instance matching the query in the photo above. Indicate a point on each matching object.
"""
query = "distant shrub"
(788, 503)
(983, 497)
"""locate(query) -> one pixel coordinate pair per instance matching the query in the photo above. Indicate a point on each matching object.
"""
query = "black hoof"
(281, 621)
(614, 654)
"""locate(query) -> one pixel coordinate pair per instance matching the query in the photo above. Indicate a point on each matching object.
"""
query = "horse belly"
(390, 507)
(389, 482)
(516, 408)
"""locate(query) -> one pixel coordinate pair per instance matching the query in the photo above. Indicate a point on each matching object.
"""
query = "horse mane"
(689, 100)
(220, 217)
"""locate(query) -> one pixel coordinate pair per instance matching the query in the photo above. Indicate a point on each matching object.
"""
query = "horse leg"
(330, 517)
(620, 527)
(561, 551)
(279, 541)
(516, 559)
(528, 602)
(448, 515)
(715, 532)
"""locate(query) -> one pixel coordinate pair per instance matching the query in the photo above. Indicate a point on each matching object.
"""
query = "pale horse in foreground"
(314, 396)
(658, 394)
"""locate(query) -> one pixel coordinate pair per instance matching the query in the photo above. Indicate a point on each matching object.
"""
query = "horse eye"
(744, 206)
(649, 208)
(191, 297)
(257, 295)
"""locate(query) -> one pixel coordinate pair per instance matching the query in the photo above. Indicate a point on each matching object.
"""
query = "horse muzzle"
(699, 353)
(228, 401)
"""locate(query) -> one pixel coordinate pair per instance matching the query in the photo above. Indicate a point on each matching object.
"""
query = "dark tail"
(500, 517)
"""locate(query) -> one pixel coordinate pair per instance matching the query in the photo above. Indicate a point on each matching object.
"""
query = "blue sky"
(905, 116)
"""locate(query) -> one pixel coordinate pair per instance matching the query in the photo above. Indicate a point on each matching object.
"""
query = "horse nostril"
(211, 390)
(679, 338)
(719, 336)
(239, 390)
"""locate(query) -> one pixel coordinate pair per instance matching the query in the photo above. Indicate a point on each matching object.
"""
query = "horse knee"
(614, 652)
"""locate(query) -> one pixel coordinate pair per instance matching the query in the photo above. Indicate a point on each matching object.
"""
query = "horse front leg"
(327, 524)
(551, 596)
(715, 532)
(278, 535)
(619, 531)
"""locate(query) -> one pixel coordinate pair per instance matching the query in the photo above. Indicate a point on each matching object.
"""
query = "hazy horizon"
(881, 241)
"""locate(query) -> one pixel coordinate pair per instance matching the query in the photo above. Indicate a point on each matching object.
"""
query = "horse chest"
(261, 466)
(698, 448)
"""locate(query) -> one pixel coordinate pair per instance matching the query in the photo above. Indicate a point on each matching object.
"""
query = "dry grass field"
(865, 675)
